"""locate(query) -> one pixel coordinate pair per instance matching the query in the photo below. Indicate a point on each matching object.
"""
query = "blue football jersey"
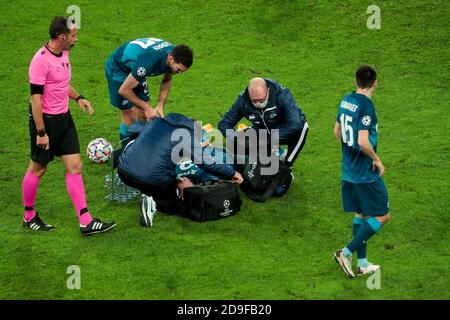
(190, 170)
(141, 57)
(357, 112)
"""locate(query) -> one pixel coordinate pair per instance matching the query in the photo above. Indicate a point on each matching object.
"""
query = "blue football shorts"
(369, 199)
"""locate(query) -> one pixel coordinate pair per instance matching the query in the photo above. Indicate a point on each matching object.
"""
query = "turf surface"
(278, 250)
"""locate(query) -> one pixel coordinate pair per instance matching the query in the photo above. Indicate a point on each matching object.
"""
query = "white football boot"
(371, 268)
(148, 210)
(345, 263)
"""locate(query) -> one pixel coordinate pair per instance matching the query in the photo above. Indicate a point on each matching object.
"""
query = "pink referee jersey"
(53, 72)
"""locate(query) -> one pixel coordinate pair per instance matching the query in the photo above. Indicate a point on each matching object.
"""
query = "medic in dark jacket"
(269, 105)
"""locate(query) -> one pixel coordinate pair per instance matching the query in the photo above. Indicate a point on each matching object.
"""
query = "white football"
(99, 150)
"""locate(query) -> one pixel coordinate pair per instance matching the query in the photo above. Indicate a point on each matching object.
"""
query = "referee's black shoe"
(37, 224)
(96, 226)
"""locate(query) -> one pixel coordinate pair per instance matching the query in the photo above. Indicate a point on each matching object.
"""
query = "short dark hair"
(183, 54)
(365, 77)
(59, 26)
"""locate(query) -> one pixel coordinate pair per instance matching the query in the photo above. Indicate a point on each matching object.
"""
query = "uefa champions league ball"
(99, 150)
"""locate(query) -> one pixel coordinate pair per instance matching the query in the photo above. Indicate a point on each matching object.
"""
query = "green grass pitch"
(278, 250)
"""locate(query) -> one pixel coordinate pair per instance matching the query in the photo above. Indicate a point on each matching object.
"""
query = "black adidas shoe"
(37, 224)
(96, 226)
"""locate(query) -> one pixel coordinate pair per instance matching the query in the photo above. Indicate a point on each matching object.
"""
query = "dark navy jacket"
(148, 158)
(281, 112)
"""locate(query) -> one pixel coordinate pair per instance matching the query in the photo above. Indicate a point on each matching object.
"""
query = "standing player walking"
(363, 189)
(52, 130)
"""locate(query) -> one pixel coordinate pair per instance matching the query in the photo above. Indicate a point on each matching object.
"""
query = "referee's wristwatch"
(41, 132)
(79, 98)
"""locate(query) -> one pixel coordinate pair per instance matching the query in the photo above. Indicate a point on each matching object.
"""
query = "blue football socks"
(123, 131)
(367, 229)
(362, 250)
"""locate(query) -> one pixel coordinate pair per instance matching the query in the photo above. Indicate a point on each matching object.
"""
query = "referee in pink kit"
(52, 130)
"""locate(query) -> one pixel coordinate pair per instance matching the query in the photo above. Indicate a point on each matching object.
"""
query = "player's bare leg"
(384, 219)
(128, 116)
(140, 114)
(72, 163)
(37, 169)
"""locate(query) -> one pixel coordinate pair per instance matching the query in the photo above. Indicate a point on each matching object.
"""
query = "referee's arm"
(73, 94)
(82, 102)
(36, 110)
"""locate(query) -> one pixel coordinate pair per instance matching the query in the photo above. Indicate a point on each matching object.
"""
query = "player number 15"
(346, 128)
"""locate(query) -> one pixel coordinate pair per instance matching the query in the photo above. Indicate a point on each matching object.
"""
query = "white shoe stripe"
(144, 212)
(153, 205)
(152, 210)
(129, 144)
(299, 143)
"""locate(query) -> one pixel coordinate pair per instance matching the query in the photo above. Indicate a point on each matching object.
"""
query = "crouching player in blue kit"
(149, 164)
(127, 70)
(363, 189)
(192, 174)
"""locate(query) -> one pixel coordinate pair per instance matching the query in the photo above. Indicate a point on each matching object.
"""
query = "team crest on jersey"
(366, 120)
(141, 71)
